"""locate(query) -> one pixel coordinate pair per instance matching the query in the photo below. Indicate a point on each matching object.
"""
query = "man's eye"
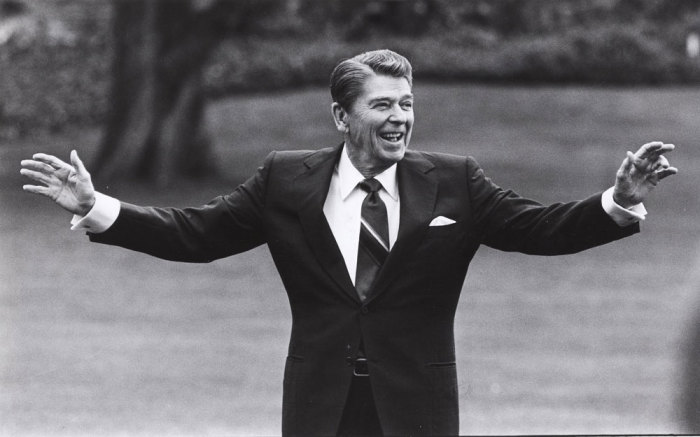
(407, 105)
(382, 105)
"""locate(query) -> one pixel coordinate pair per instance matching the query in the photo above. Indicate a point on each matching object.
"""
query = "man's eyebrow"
(380, 98)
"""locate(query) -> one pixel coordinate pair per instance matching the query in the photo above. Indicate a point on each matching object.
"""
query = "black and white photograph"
(349, 218)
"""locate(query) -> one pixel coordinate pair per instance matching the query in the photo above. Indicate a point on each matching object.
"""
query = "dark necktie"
(374, 238)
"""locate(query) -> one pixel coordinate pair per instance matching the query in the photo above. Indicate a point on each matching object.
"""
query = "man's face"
(379, 124)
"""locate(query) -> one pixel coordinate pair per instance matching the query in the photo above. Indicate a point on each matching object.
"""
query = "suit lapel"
(418, 192)
(312, 185)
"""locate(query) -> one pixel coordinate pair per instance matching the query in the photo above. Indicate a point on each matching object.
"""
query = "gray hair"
(349, 75)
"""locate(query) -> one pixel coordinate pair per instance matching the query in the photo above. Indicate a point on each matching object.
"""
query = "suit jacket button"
(364, 309)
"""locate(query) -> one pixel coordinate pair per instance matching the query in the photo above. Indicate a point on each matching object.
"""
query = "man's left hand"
(640, 172)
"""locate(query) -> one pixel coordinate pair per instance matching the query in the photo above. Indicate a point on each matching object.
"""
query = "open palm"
(70, 186)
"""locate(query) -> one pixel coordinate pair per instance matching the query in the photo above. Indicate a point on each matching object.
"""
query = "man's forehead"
(382, 85)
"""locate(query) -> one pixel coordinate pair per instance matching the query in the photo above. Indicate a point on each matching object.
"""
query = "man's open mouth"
(392, 136)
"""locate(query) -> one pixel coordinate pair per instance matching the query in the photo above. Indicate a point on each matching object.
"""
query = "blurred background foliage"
(606, 341)
(56, 55)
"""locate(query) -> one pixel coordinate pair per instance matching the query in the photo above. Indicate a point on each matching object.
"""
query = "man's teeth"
(392, 136)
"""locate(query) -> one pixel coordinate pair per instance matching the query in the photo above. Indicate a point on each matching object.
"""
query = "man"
(372, 242)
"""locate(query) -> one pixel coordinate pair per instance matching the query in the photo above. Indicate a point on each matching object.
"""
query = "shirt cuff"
(622, 216)
(102, 215)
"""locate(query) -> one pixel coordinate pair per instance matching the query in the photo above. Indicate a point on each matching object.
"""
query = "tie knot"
(370, 185)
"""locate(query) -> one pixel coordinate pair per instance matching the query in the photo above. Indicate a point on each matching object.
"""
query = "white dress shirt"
(344, 205)
(343, 208)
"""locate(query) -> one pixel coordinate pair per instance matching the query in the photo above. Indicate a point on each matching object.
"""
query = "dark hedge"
(46, 85)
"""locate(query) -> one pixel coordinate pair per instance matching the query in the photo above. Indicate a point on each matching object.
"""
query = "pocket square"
(441, 221)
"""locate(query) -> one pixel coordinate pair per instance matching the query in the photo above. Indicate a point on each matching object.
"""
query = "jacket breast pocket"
(445, 231)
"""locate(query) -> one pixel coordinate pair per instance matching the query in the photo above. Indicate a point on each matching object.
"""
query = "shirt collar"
(349, 177)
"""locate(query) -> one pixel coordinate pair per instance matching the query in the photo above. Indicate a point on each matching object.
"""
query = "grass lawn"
(99, 340)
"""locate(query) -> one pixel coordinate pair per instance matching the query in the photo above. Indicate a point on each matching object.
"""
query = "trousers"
(360, 414)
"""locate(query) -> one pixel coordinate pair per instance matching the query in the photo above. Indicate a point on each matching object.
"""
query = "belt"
(361, 368)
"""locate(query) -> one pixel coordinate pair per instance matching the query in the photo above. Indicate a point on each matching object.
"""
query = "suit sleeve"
(509, 222)
(225, 226)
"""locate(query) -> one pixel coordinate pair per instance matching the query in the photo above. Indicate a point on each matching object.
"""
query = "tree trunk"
(154, 130)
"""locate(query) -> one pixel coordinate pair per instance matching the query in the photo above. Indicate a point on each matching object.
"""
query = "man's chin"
(394, 156)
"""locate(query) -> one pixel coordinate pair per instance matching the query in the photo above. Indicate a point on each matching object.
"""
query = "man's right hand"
(68, 185)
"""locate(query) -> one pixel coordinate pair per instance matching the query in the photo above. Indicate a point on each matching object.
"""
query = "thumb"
(628, 163)
(626, 167)
(78, 164)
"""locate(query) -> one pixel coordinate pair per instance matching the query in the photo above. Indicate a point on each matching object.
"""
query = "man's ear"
(340, 116)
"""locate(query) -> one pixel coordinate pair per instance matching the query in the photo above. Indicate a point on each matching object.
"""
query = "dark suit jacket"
(407, 322)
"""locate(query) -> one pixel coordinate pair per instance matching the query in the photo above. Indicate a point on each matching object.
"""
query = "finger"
(654, 149)
(52, 161)
(661, 163)
(628, 163)
(37, 176)
(37, 166)
(36, 189)
(647, 149)
(634, 161)
(666, 172)
(78, 164)
(667, 148)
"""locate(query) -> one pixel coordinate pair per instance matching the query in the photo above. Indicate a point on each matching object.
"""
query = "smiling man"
(376, 119)
(372, 242)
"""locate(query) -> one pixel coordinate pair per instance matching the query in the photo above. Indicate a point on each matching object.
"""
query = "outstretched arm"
(640, 173)
(70, 186)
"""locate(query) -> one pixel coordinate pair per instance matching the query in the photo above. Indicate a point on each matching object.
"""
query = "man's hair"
(349, 75)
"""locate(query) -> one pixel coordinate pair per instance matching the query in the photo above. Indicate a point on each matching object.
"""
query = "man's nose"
(398, 115)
